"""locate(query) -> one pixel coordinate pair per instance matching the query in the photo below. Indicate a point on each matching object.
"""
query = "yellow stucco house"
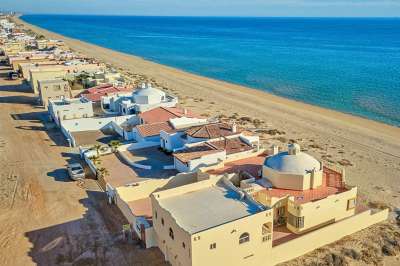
(296, 206)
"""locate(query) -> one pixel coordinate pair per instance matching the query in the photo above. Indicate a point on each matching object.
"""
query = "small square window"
(351, 204)
(213, 246)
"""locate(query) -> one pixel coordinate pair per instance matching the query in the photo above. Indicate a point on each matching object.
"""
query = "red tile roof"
(232, 145)
(195, 152)
(211, 131)
(148, 130)
(94, 94)
(251, 165)
(164, 114)
(332, 183)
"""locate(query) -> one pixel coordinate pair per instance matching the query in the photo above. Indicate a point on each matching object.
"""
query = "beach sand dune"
(368, 150)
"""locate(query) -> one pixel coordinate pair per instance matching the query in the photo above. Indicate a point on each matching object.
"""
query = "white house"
(143, 99)
(209, 153)
(65, 109)
(150, 125)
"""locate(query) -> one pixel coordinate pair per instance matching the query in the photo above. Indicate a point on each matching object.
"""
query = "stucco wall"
(290, 181)
(35, 76)
(172, 141)
(86, 124)
(206, 160)
(313, 240)
(228, 251)
(173, 249)
(319, 212)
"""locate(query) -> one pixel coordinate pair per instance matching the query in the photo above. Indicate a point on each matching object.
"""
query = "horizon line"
(203, 16)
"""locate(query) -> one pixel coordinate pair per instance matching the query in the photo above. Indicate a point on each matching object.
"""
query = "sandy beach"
(368, 150)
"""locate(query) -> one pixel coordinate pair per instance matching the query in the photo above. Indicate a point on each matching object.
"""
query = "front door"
(280, 216)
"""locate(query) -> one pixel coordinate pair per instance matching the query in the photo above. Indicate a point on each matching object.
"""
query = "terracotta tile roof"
(195, 152)
(94, 94)
(332, 183)
(164, 114)
(141, 207)
(148, 130)
(233, 145)
(211, 131)
(251, 165)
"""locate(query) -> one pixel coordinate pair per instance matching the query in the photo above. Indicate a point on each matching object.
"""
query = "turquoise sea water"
(345, 64)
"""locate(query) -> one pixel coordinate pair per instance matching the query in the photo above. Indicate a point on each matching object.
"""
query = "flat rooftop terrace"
(93, 137)
(122, 174)
(208, 208)
(332, 183)
(150, 156)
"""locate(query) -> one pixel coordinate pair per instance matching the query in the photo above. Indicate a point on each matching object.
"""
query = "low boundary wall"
(326, 235)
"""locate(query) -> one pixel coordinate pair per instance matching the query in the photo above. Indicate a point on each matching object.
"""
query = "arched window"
(171, 233)
(245, 237)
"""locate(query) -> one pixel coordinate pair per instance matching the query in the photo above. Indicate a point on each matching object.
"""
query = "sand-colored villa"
(296, 206)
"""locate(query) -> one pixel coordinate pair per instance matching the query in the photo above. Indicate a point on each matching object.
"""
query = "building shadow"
(41, 121)
(23, 87)
(20, 99)
(94, 239)
(32, 116)
(60, 175)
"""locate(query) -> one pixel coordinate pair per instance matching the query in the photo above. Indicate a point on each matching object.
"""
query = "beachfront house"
(214, 152)
(150, 125)
(103, 77)
(142, 99)
(65, 71)
(301, 206)
(53, 89)
(12, 47)
(135, 203)
(211, 222)
(69, 108)
(45, 73)
(307, 194)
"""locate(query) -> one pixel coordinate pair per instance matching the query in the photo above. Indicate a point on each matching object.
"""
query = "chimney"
(234, 127)
(275, 149)
(293, 149)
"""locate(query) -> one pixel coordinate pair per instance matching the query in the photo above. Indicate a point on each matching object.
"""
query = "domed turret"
(293, 169)
(293, 161)
(148, 95)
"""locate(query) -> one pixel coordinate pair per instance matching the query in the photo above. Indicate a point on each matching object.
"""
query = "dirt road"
(46, 219)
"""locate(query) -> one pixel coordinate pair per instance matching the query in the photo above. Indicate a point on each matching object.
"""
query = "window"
(267, 228)
(351, 204)
(171, 233)
(266, 238)
(213, 246)
(295, 221)
(155, 214)
(245, 237)
(183, 245)
(162, 221)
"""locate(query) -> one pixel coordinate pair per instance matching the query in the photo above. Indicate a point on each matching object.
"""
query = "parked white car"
(75, 171)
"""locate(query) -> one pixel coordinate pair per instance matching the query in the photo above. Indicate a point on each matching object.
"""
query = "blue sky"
(303, 8)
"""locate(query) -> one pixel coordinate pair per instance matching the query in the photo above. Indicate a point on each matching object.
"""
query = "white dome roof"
(147, 90)
(294, 163)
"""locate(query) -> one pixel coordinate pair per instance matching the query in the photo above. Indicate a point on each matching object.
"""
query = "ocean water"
(346, 64)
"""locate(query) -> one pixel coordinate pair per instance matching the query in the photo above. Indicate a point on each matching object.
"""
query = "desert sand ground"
(46, 219)
(369, 151)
